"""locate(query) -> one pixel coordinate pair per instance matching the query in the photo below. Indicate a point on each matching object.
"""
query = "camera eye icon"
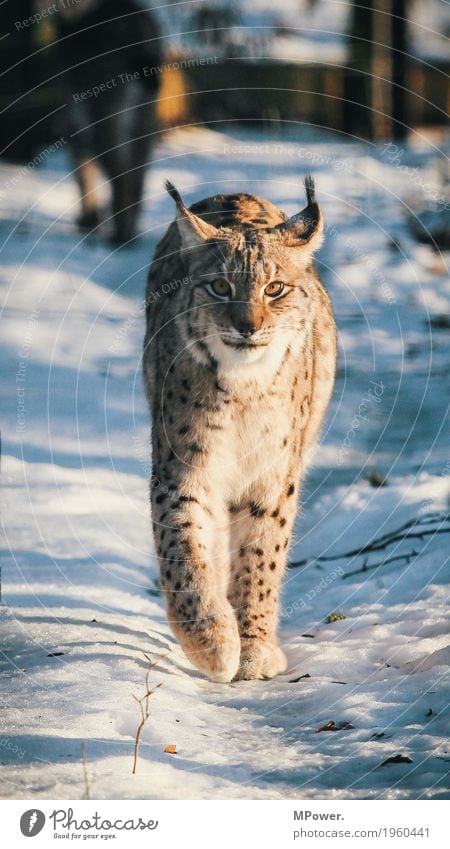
(32, 822)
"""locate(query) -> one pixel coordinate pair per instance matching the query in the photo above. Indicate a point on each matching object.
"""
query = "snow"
(80, 602)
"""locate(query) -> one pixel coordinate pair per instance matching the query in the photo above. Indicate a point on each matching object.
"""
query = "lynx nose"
(247, 331)
(247, 326)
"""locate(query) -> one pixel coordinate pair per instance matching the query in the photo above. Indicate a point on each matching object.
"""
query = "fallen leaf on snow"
(331, 726)
(336, 616)
(171, 749)
(376, 479)
(397, 759)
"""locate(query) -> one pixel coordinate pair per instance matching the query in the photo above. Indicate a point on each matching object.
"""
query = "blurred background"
(368, 69)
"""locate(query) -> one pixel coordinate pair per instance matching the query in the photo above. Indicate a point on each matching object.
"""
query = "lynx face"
(251, 292)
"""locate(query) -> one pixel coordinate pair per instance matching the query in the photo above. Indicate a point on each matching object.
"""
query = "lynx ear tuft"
(173, 192)
(305, 229)
(193, 230)
(310, 189)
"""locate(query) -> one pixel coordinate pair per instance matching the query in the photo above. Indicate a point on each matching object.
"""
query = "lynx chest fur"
(239, 366)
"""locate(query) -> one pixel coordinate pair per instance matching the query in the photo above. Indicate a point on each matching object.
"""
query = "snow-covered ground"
(80, 602)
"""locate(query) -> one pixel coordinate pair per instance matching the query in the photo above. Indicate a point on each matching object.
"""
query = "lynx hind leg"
(260, 660)
(259, 543)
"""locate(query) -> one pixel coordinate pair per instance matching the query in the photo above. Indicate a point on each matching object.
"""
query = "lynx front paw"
(213, 645)
(260, 660)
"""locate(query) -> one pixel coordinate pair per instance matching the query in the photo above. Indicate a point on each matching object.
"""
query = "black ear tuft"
(173, 192)
(310, 189)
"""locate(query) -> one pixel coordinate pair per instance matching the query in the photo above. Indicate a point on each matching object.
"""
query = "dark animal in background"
(108, 53)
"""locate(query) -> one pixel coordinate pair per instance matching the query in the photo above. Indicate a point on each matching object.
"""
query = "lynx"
(239, 364)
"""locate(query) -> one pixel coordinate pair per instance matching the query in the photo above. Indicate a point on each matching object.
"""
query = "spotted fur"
(238, 389)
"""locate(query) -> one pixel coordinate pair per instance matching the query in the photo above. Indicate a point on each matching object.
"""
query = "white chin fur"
(247, 365)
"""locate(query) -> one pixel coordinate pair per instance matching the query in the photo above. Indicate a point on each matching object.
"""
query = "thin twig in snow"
(87, 788)
(144, 706)
(365, 568)
(404, 532)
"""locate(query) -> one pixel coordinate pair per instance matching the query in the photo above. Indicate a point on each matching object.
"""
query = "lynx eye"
(220, 288)
(274, 289)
